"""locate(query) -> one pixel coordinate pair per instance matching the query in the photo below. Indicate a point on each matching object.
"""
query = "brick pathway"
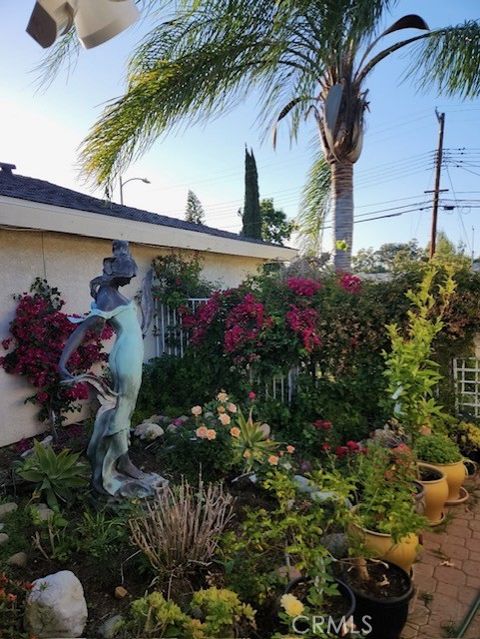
(447, 577)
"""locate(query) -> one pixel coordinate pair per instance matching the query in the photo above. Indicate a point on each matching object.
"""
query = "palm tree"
(303, 58)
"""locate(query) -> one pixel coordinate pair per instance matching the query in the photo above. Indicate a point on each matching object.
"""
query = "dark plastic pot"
(387, 616)
(345, 591)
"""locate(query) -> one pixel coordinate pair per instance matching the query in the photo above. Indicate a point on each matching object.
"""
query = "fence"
(466, 377)
(170, 337)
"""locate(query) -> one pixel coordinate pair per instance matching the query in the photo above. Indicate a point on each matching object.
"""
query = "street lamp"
(122, 184)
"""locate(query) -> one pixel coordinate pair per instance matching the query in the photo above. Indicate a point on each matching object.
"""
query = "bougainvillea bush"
(38, 333)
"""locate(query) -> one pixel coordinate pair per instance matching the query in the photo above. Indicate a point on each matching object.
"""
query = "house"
(62, 235)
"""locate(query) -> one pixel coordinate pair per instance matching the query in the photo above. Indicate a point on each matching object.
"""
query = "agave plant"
(55, 476)
(253, 445)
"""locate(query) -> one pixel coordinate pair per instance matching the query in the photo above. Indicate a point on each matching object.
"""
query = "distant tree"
(252, 218)
(447, 251)
(194, 211)
(276, 228)
(389, 257)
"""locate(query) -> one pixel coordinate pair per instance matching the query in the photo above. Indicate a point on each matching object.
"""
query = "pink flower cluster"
(302, 321)
(244, 323)
(351, 283)
(303, 286)
(203, 318)
(39, 332)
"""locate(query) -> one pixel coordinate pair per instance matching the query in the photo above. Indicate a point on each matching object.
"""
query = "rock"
(5, 509)
(2, 526)
(4, 538)
(56, 606)
(149, 431)
(111, 627)
(44, 512)
(120, 592)
(18, 559)
(154, 419)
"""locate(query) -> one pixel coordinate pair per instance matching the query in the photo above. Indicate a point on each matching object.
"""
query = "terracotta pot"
(436, 494)
(402, 554)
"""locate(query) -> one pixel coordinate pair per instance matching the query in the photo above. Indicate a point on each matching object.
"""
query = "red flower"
(322, 424)
(326, 447)
(303, 286)
(252, 395)
(351, 283)
(341, 451)
(353, 446)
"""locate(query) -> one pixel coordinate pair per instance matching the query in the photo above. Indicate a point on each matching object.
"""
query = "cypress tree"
(252, 218)
(194, 211)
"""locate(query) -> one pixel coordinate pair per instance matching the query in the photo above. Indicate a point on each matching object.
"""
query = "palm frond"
(314, 207)
(449, 61)
(62, 55)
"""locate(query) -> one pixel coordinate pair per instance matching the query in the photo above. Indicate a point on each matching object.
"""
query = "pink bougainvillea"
(351, 283)
(303, 321)
(38, 334)
(303, 286)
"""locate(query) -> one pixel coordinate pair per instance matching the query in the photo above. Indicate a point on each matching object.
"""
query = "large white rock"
(148, 431)
(56, 606)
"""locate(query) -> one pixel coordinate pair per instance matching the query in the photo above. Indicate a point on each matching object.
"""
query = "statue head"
(118, 270)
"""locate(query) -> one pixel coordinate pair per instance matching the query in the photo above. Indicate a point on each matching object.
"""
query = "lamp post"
(122, 184)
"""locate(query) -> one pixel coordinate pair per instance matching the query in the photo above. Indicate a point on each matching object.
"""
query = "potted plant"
(440, 451)
(382, 593)
(434, 482)
(386, 520)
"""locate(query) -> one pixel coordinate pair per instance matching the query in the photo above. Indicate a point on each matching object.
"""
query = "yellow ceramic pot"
(456, 474)
(382, 546)
(436, 493)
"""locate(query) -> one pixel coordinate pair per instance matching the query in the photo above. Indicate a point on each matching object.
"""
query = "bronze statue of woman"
(113, 473)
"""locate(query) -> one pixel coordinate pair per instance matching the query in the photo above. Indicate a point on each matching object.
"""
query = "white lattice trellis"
(170, 337)
(466, 375)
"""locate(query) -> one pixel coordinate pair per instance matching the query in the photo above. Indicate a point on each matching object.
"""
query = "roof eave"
(25, 214)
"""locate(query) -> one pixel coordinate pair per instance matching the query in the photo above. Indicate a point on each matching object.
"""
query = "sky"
(42, 127)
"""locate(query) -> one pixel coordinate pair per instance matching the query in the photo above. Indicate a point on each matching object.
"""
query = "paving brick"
(474, 555)
(473, 544)
(454, 551)
(454, 539)
(426, 584)
(466, 594)
(474, 525)
(473, 581)
(444, 605)
(460, 528)
(423, 570)
(448, 589)
(450, 575)
(472, 568)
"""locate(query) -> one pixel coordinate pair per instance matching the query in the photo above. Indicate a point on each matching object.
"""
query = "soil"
(429, 475)
(379, 572)
(334, 606)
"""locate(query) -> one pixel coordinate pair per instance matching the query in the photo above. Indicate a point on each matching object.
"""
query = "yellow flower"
(211, 434)
(273, 460)
(247, 454)
(202, 432)
(292, 606)
(235, 432)
(225, 419)
(222, 396)
(290, 449)
(197, 410)
(231, 408)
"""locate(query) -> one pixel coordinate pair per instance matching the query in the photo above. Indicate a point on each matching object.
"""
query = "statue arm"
(95, 323)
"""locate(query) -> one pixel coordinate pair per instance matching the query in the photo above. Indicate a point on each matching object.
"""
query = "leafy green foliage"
(178, 278)
(411, 373)
(276, 228)
(385, 489)
(437, 448)
(314, 206)
(57, 477)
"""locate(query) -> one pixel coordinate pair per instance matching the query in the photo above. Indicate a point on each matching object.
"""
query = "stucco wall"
(69, 262)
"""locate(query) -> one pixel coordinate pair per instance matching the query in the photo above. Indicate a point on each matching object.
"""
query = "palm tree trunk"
(342, 187)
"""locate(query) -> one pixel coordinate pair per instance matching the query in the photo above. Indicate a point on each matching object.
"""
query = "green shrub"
(437, 449)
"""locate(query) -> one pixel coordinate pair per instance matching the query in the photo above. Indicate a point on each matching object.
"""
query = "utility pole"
(437, 190)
